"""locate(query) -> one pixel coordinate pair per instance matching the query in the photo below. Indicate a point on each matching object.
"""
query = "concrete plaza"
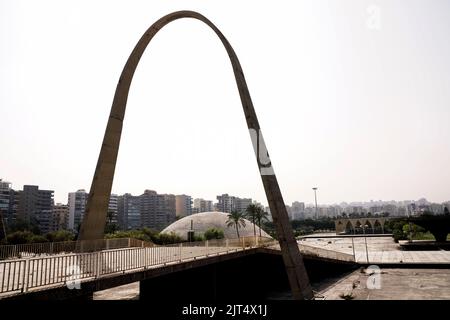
(382, 250)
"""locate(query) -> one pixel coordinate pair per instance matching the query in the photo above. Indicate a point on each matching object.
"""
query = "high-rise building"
(60, 217)
(183, 204)
(113, 208)
(298, 210)
(289, 212)
(9, 200)
(77, 208)
(157, 210)
(227, 203)
(129, 212)
(5, 195)
(35, 207)
(201, 205)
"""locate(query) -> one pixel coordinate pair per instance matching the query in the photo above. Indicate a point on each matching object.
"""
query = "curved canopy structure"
(97, 206)
(207, 220)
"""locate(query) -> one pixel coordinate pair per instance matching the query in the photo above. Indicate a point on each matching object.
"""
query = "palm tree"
(261, 215)
(251, 213)
(110, 216)
(236, 219)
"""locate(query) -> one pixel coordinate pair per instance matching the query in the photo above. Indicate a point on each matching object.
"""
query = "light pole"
(365, 241)
(315, 197)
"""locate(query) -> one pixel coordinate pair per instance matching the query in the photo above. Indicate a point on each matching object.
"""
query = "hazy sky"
(352, 96)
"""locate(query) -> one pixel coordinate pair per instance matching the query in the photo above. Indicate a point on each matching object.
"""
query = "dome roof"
(206, 220)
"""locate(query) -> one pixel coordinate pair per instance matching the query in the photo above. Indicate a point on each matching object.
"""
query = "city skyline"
(358, 111)
(308, 203)
(37, 207)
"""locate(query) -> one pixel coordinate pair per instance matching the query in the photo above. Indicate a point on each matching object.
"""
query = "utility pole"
(315, 197)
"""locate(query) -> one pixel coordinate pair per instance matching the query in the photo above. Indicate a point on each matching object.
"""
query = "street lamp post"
(315, 197)
(353, 246)
(365, 241)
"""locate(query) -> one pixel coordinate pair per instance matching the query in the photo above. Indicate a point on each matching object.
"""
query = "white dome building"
(207, 220)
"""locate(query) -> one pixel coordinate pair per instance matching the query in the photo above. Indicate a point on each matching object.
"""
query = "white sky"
(359, 111)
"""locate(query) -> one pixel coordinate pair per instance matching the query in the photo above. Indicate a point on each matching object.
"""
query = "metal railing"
(325, 253)
(21, 275)
(52, 248)
(320, 252)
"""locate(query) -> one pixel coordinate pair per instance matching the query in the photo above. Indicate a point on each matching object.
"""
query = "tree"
(110, 226)
(136, 234)
(236, 219)
(19, 237)
(213, 233)
(110, 216)
(37, 238)
(23, 225)
(251, 213)
(60, 235)
(446, 212)
(261, 216)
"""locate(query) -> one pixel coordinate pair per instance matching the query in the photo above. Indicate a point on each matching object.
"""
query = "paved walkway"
(380, 250)
(394, 284)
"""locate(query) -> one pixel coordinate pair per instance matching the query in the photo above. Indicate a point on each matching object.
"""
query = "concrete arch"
(97, 205)
(358, 226)
(377, 226)
(369, 228)
(349, 227)
(354, 225)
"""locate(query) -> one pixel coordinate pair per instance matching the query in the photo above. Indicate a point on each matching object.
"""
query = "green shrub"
(37, 239)
(60, 235)
(168, 238)
(213, 233)
(199, 237)
(19, 237)
(136, 234)
(398, 235)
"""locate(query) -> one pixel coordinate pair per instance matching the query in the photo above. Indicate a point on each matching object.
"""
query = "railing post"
(207, 247)
(226, 244)
(25, 276)
(129, 242)
(353, 246)
(367, 251)
(98, 271)
(180, 246)
(51, 247)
